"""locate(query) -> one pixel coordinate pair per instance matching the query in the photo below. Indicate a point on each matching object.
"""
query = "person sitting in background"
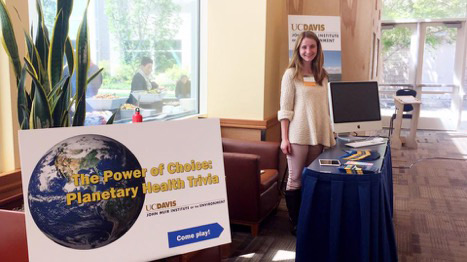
(183, 87)
(93, 87)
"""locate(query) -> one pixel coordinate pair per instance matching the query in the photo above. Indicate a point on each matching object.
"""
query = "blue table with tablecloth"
(347, 217)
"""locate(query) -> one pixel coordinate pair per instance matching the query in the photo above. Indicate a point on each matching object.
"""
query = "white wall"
(235, 60)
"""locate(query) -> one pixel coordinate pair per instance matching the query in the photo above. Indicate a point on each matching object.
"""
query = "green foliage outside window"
(396, 42)
(421, 9)
(49, 9)
(396, 39)
(143, 28)
(121, 79)
(424, 9)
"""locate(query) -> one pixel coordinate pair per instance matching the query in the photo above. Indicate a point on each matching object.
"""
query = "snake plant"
(48, 101)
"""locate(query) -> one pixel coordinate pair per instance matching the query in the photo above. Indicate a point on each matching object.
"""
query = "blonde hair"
(319, 72)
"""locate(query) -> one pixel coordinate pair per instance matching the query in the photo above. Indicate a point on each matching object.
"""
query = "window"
(122, 33)
(423, 49)
(423, 9)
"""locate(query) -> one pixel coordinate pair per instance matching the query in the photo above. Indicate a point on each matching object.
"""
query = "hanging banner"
(327, 28)
(135, 192)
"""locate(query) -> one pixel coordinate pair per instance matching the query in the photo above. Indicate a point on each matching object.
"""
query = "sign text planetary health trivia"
(148, 187)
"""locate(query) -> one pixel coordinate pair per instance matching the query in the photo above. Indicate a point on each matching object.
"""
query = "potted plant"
(48, 102)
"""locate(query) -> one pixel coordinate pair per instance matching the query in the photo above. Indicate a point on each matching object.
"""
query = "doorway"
(428, 56)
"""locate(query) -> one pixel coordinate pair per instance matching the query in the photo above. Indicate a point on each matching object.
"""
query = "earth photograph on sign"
(95, 214)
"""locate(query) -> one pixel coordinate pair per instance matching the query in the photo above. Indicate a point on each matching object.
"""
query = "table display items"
(149, 96)
(105, 102)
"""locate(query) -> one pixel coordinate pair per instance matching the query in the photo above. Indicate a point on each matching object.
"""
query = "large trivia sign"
(133, 192)
(327, 28)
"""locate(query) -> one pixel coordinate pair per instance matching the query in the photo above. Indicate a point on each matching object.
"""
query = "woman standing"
(304, 115)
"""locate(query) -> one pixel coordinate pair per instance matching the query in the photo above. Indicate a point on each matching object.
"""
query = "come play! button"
(194, 234)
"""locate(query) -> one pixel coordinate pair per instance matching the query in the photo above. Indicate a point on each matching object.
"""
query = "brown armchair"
(13, 243)
(252, 178)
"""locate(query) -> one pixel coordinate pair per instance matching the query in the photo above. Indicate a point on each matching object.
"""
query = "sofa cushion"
(268, 178)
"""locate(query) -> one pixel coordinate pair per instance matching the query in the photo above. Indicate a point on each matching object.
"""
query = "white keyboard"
(369, 142)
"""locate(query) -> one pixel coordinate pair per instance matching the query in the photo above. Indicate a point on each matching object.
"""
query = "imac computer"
(354, 106)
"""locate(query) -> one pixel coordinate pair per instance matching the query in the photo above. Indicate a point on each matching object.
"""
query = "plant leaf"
(53, 96)
(66, 6)
(29, 101)
(42, 39)
(56, 51)
(23, 105)
(40, 111)
(32, 33)
(82, 67)
(57, 44)
(111, 119)
(9, 40)
(95, 75)
(65, 120)
(33, 90)
(34, 56)
(61, 103)
(30, 68)
(32, 71)
(70, 56)
(25, 123)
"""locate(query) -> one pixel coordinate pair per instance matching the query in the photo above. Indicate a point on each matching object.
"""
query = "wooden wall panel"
(315, 7)
(241, 133)
(273, 133)
(356, 39)
(276, 55)
(253, 130)
(377, 30)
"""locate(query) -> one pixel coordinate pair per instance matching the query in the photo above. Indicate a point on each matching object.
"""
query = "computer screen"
(354, 106)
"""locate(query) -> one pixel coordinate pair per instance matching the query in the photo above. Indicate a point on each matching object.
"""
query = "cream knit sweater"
(307, 109)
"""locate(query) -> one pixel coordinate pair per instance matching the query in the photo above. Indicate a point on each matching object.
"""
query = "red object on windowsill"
(137, 117)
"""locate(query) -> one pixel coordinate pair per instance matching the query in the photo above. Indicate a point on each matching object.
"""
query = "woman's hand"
(285, 147)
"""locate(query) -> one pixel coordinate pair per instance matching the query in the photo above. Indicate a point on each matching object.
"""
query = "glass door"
(427, 57)
(440, 92)
(398, 64)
